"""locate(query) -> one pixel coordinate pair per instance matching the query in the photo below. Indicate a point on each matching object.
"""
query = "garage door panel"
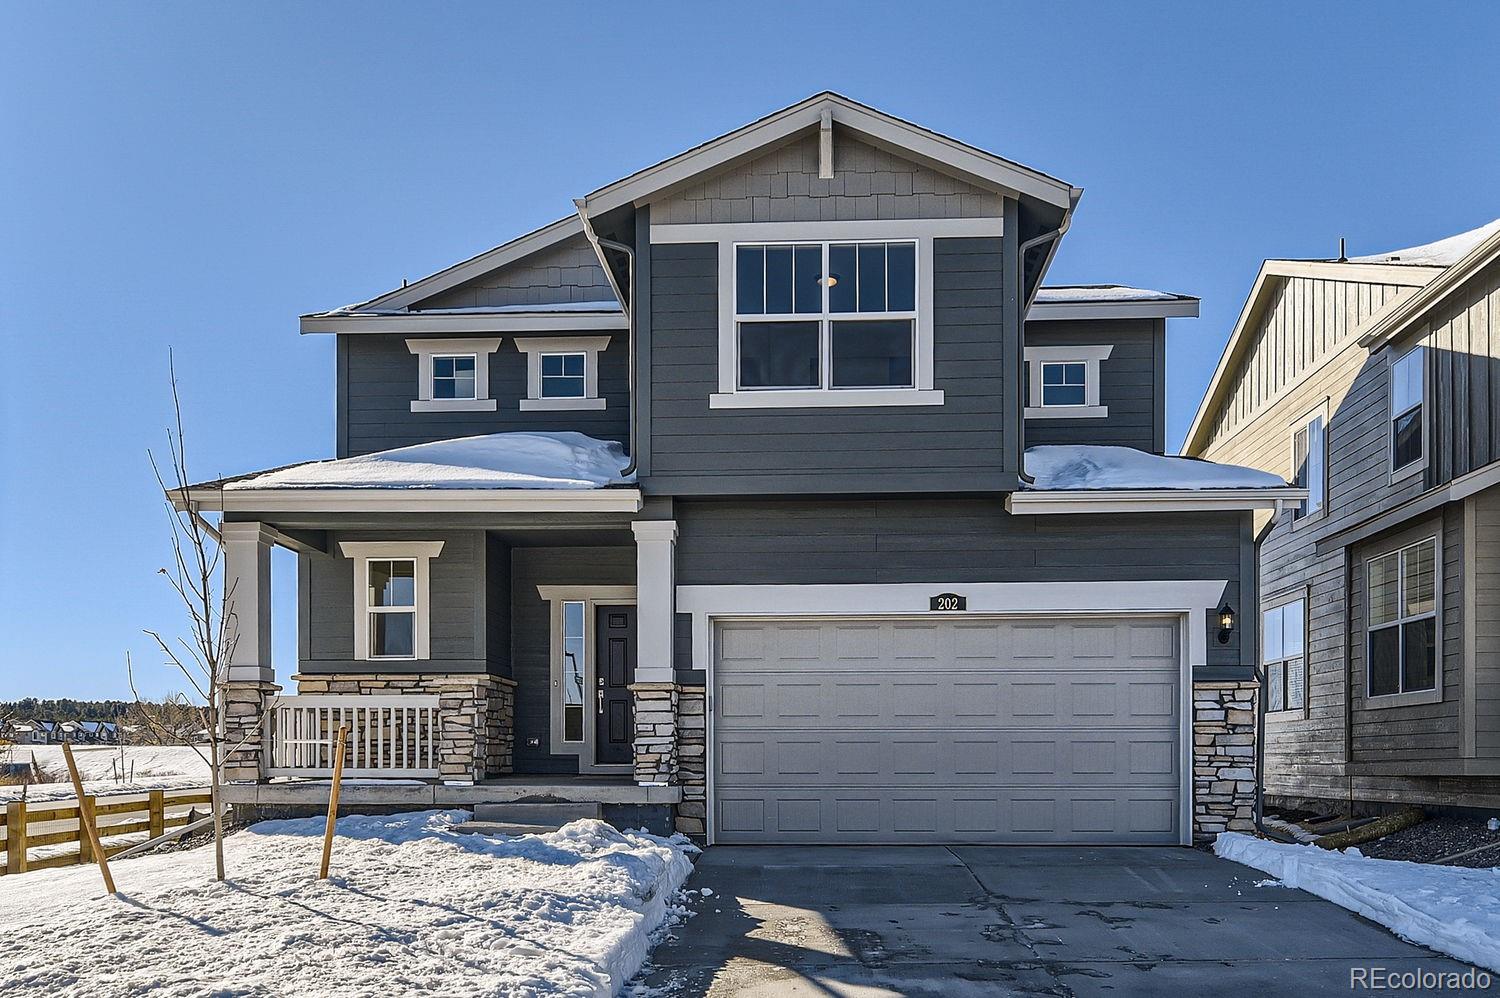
(959, 730)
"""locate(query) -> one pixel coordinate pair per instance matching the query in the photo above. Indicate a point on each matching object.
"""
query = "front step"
(548, 816)
(500, 828)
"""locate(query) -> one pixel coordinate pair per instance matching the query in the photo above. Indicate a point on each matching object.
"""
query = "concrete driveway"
(871, 921)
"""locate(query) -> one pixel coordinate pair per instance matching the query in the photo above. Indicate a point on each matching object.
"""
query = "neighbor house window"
(1062, 382)
(826, 315)
(453, 375)
(1408, 425)
(574, 671)
(1310, 461)
(391, 616)
(562, 372)
(1403, 605)
(1283, 653)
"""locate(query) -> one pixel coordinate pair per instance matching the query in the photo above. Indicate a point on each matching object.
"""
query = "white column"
(247, 585)
(655, 598)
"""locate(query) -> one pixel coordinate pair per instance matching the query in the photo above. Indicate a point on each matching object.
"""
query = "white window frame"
(1320, 412)
(1419, 465)
(537, 347)
(920, 231)
(1091, 356)
(592, 597)
(1274, 605)
(361, 553)
(1403, 697)
(478, 348)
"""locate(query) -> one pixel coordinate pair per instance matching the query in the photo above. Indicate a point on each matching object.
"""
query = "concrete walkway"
(785, 921)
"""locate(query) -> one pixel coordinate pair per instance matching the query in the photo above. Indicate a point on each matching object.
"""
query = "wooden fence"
(27, 826)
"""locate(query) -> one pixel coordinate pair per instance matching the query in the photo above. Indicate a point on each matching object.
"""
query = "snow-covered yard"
(412, 909)
(1452, 909)
(108, 769)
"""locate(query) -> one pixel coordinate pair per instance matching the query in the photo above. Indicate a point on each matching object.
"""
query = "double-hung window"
(391, 606)
(1408, 423)
(1402, 619)
(1283, 653)
(825, 316)
(1310, 461)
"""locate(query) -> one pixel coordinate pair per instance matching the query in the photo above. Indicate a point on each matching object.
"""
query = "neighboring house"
(709, 500)
(1374, 382)
(23, 733)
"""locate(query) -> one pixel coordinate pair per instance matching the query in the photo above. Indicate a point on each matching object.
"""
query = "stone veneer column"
(692, 760)
(1224, 730)
(655, 687)
(655, 733)
(245, 705)
(249, 677)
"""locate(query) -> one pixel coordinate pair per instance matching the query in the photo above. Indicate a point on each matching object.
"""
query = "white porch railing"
(392, 736)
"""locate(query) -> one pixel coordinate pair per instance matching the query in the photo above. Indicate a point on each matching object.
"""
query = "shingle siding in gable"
(956, 446)
(567, 272)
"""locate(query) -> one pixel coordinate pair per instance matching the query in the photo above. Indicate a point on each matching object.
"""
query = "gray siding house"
(821, 589)
(1373, 382)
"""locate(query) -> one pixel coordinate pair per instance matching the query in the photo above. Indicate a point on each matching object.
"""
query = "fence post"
(157, 814)
(85, 814)
(15, 837)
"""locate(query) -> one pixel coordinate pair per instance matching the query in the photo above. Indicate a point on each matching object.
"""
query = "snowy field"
(144, 767)
(1452, 909)
(412, 909)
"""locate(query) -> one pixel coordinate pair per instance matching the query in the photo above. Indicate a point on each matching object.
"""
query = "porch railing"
(390, 736)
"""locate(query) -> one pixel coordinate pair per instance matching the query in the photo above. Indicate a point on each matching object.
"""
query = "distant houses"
(44, 732)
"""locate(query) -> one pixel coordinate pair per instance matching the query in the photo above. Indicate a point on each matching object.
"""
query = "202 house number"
(948, 602)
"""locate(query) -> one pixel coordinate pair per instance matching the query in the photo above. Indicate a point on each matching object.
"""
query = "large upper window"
(1408, 392)
(1403, 587)
(1283, 637)
(1310, 459)
(828, 315)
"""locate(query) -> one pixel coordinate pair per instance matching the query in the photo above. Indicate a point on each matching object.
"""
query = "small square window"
(453, 377)
(1064, 384)
(563, 376)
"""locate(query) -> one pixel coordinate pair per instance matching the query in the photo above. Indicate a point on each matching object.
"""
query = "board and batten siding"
(1484, 577)
(1463, 342)
(1130, 384)
(950, 540)
(567, 272)
(956, 446)
(380, 382)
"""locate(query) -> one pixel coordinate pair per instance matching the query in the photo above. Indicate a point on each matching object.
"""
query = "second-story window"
(1408, 393)
(1310, 464)
(827, 315)
(563, 375)
(453, 376)
(1064, 384)
(562, 372)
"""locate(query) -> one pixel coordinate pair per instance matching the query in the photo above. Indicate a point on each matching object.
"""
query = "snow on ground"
(1099, 292)
(564, 460)
(1443, 253)
(1452, 909)
(144, 767)
(1088, 466)
(412, 909)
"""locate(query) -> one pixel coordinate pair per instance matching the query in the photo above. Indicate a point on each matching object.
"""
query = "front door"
(614, 732)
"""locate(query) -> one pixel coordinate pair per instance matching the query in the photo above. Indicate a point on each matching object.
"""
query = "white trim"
(1091, 356)
(1159, 308)
(849, 230)
(535, 348)
(508, 322)
(1321, 411)
(592, 597)
(361, 553)
(656, 613)
(1407, 698)
(1392, 359)
(1297, 594)
(799, 398)
(616, 500)
(1190, 601)
(1044, 501)
(477, 348)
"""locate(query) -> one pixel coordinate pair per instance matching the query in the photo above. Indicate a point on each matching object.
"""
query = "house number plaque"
(948, 601)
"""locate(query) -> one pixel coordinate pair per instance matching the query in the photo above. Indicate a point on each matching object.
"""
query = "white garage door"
(972, 730)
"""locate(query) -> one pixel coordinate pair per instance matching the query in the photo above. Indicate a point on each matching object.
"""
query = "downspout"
(1055, 236)
(627, 297)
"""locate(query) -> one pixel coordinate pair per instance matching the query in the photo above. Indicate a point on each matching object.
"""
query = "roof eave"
(1054, 501)
(478, 322)
(624, 499)
(1183, 307)
(1390, 325)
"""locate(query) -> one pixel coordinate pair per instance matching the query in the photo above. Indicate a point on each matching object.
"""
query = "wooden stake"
(86, 816)
(333, 800)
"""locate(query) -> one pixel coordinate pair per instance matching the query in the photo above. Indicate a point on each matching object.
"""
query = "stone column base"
(244, 705)
(655, 733)
(1224, 730)
(692, 759)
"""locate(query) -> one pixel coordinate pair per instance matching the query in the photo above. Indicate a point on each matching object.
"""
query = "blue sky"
(196, 175)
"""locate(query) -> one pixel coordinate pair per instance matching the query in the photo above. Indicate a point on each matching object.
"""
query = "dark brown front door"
(614, 733)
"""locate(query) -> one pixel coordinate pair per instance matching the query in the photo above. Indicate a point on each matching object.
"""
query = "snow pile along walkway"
(412, 909)
(1452, 909)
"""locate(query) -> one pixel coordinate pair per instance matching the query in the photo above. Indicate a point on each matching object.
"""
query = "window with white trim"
(391, 609)
(1402, 608)
(562, 372)
(825, 316)
(453, 375)
(1283, 640)
(1062, 382)
(1310, 464)
(1408, 424)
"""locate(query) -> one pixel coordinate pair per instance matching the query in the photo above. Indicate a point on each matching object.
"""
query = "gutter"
(626, 299)
(1055, 236)
(1047, 501)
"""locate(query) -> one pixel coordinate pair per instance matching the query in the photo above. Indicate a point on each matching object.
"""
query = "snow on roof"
(563, 460)
(1088, 466)
(1100, 292)
(1443, 253)
(528, 309)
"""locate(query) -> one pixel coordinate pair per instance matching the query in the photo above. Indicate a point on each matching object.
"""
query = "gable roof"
(1474, 250)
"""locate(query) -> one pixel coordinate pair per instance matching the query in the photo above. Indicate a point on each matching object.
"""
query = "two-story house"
(770, 493)
(1373, 382)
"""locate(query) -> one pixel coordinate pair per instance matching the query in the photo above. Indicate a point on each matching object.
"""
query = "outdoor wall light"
(1226, 623)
